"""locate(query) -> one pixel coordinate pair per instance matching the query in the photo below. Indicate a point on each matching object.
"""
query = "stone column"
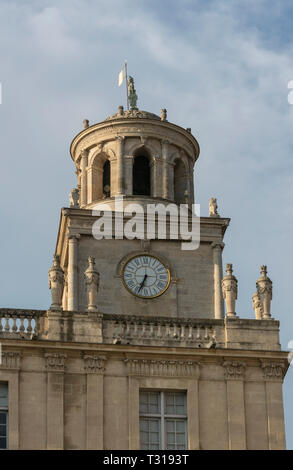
(264, 288)
(273, 373)
(83, 180)
(94, 367)
(234, 374)
(156, 177)
(119, 166)
(218, 274)
(165, 175)
(55, 365)
(229, 289)
(73, 273)
(128, 165)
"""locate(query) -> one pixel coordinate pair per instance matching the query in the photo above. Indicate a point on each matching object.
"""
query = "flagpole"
(126, 84)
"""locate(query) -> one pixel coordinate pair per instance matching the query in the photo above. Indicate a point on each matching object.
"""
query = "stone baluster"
(56, 283)
(229, 289)
(21, 327)
(92, 278)
(264, 289)
(7, 326)
(257, 306)
(14, 325)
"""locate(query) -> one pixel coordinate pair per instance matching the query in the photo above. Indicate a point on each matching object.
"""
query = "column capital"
(84, 153)
(74, 237)
(120, 138)
(218, 245)
(234, 369)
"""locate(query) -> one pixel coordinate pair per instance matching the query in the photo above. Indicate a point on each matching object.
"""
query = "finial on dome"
(85, 123)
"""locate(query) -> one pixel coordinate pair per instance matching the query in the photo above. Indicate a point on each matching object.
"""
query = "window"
(3, 415)
(163, 420)
(106, 178)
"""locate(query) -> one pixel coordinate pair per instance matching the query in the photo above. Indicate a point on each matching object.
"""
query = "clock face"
(145, 276)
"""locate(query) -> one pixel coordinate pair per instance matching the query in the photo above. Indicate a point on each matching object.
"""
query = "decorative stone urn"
(257, 306)
(56, 284)
(92, 284)
(229, 290)
(264, 288)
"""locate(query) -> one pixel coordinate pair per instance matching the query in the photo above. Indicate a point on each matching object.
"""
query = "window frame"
(4, 410)
(163, 417)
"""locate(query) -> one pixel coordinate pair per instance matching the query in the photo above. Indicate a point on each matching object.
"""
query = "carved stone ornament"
(132, 96)
(74, 198)
(234, 369)
(257, 306)
(10, 360)
(92, 284)
(213, 207)
(229, 289)
(94, 364)
(264, 287)
(56, 283)
(273, 370)
(162, 367)
(164, 114)
(55, 362)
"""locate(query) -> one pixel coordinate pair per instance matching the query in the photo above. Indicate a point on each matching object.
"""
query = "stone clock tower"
(136, 350)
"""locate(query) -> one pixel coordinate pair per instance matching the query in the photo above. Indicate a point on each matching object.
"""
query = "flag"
(122, 75)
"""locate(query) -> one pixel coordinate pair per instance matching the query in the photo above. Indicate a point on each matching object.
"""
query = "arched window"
(180, 182)
(141, 174)
(106, 179)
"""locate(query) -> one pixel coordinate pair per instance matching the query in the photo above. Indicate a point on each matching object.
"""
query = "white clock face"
(146, 276)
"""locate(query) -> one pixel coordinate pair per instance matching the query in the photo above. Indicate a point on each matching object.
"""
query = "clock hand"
(141, 285)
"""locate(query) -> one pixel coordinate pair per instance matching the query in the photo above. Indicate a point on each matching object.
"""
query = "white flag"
(121, 76)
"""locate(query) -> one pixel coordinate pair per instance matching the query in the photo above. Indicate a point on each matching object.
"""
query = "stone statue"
(257, 306)
(92, 279)
(264, 288)
(229, 289)
(74, 198)
(213, 207)
(132, 96)
(56, 284)
(164, 114)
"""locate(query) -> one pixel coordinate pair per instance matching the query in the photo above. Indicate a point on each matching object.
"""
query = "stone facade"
(75, 371)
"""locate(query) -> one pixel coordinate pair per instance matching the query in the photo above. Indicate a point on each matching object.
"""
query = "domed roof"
(133, 113)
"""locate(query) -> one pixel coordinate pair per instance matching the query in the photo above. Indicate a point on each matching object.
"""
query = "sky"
(219, 67)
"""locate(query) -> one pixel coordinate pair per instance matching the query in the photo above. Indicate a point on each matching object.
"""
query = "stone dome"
(133, 113)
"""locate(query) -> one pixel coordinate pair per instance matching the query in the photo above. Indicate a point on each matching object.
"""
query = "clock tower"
(137, 350)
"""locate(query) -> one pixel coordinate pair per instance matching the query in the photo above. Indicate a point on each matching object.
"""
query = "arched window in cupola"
(141, 174)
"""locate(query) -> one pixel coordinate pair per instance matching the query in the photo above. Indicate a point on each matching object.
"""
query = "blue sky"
(221, 68)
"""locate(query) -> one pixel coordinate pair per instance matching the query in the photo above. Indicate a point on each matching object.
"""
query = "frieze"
(162, 367)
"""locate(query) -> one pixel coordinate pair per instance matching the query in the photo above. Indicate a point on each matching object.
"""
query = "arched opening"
(180, 181)
(141, 174)
(106, 179)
